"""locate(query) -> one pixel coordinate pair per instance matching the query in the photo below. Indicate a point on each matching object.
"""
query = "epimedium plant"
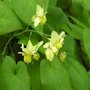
(44, 45)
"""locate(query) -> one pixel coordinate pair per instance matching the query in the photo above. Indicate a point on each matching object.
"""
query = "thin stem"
(12, 38)
(26, 30)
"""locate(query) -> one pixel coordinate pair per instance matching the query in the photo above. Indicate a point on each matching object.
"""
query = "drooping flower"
(54, 44)
(30, 51)
(40, 16)
(50, 51)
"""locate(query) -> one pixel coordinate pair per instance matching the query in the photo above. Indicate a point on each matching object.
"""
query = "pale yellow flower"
(57, 39)
(30, 51)
(40, 16)
(50, 51)
(55, 43)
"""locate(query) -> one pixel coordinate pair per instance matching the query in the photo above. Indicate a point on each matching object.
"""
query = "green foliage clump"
(44, 44)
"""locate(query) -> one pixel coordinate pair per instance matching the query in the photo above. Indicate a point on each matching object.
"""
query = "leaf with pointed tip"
(54, 76)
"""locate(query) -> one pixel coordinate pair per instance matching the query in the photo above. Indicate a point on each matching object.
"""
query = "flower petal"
(39, 11)
(22, 47)
(29, 44)
(54, 37)
(27, 58)
(46, 45)
(54, 49)
(37, 46)
(62, 35)
(43, 19)
(49, 54)
(36, 21)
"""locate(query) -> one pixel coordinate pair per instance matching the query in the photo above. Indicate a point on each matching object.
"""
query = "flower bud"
(36, 56)
(62, 56)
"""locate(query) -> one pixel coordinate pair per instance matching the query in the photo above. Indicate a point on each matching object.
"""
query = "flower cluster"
(54, 44)
(51, 47)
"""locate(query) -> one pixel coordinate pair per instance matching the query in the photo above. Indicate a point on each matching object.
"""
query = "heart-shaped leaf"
(14, 76)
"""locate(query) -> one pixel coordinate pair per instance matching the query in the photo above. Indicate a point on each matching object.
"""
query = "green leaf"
(8, 3)
(47, 29)
(79, 1)
(89, 74)
(53, 2)
(80, 13)
(86, 42)
(78, 75)
(58, 18)
(64, 4)
(74, 29)
(43, 3)
(85, 3)
(70, 46)
(8, 20)
(54, 76)
(25, 10)
(14, 76)
(34, 70)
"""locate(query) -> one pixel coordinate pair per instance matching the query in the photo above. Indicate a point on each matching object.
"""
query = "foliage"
(44, 44)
